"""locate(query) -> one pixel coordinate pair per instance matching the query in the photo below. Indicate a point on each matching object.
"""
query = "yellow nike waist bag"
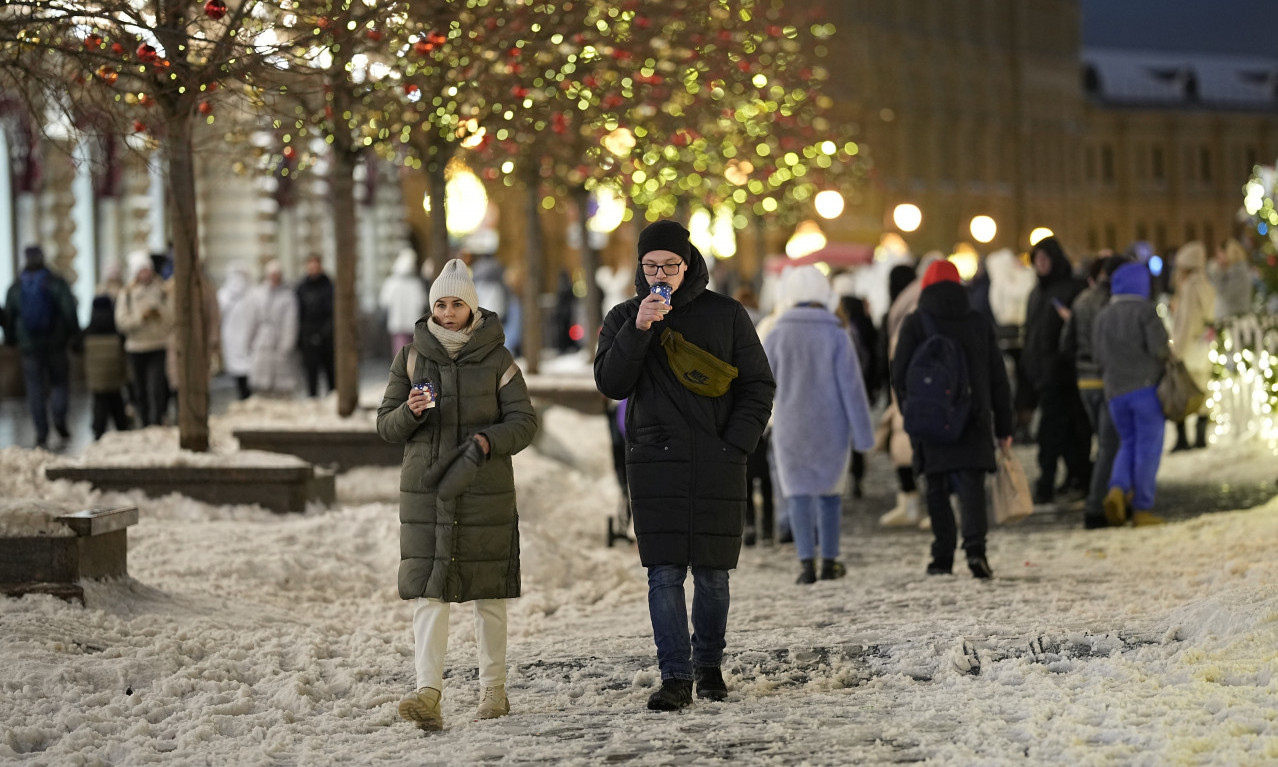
(698, 370)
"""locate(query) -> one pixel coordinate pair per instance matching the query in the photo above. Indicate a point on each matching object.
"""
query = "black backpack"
(938, 397)
(35, 302)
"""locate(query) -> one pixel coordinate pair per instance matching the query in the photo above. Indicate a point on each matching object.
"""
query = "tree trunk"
(589, 265)
(188, 289)
(345, 309)
(436, 179)
(534, 271)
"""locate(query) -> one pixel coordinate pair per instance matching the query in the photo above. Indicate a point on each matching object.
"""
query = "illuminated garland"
(1243, 392)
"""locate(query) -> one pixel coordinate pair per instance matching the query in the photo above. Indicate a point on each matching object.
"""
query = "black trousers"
(108, 406)
(317, 358)
(150, 386)
(757, 470)
(969, 486)
(1063, 432)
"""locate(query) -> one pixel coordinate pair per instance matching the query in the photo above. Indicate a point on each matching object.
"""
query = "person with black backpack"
(948, 375)
(42, 324)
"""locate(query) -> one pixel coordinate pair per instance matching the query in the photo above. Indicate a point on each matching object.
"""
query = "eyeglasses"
(669, 270)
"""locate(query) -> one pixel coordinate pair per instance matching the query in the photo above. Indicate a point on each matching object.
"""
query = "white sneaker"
(493, 702)
(422, 707)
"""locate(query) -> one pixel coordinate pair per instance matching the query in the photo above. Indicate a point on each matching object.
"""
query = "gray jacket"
(1129, 342)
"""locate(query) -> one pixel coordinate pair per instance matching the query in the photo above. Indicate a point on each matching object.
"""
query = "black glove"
(461, 471)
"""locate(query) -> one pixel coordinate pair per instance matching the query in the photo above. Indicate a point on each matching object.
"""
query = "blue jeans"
(677, 653)
(52, 368)
(1106, 447)
(815, 515)
(1138, 417)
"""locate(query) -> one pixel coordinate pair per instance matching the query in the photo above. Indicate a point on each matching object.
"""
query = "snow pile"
(32, 517)
(245, 637)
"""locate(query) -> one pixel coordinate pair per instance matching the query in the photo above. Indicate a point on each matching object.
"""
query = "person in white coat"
(237, 358)
(144, 314)
(403, 297)
(273, 317)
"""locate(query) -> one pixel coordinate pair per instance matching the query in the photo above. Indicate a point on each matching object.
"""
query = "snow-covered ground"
(244, 637)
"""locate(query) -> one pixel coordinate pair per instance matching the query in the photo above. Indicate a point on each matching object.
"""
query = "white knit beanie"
(454, 280)
(806, 284)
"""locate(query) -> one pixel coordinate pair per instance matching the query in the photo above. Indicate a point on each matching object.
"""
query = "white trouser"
(430, 635)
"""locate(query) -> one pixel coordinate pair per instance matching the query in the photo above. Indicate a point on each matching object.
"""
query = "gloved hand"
(461, 472)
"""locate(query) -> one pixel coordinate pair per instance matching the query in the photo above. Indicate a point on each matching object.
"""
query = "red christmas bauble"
(411, 88)
(374, 35)
(93, 42)
(107, 74)
(147, 54)
(117, 49)
(215, 9)
(423, 47)
(289, 153)
(205, 108)
(139, 126)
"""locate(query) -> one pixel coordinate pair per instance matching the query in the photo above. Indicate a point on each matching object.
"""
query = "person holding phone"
(459, 402)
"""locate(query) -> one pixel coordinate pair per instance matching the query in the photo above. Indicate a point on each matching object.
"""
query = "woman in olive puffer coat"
(463, 547)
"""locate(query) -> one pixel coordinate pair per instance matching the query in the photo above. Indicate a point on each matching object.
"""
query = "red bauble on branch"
(215, 9)
(374, 35)
(93, 43)
(205, 108)
(147, 54)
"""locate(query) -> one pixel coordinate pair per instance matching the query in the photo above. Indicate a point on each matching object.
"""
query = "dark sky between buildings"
(1202, 26)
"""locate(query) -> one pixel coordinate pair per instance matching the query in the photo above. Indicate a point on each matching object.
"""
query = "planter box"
(336, 448)
(278, 488)
(55, 564)
(575, 392)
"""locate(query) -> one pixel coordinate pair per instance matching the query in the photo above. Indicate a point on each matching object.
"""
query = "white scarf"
(454, 340)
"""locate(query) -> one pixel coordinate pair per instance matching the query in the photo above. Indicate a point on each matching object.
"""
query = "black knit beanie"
(665, 235)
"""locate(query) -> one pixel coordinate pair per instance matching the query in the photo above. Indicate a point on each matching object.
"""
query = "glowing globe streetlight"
(829, 204)
(1039, 233)
(907, 217)
(983, 228)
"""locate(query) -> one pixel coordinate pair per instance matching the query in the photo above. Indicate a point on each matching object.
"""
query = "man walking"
(41, 318)
(699, 392)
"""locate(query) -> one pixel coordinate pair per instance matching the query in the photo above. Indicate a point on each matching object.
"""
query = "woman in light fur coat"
(1193, 308)
(820, 415)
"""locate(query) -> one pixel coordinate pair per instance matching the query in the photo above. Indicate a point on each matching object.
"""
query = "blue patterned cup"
(428, 388)
(663, 290)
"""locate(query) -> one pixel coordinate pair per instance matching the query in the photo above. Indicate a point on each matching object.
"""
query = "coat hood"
(1061, 268)
(1130, 280)
(695, 280)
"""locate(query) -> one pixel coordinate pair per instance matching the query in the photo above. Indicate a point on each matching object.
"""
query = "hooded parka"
(686, 453)
(466, 548)
(991, 413)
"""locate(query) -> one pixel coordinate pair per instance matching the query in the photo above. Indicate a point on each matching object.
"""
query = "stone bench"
(55, 564)
(278, 488)
(341, 449)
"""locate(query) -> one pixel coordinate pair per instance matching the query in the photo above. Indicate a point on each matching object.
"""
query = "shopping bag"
(1011, 497)
(1177, 392)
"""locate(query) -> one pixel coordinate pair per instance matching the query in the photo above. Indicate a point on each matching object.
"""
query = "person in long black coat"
(960, 466)
(685, 452)
(1063, 428)
(315, 325)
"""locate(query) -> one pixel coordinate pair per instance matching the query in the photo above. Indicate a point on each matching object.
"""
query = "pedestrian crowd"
(266, 337)
(713, 403)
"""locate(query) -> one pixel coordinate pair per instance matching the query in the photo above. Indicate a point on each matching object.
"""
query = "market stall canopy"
(839, 255)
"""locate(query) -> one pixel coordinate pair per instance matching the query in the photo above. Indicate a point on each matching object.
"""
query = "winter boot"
(1182, 442)
(493, 702)
(979, 566)
(936, 567)
(807, 572)
(832, 569)
(1144, 518)
(422, 707)
(710, 684)
(905, 513)
(673, 695)
(1115, 505)
(1200, 431)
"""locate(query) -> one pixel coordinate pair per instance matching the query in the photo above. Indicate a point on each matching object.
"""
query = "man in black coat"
(315, 325)
(686, 449)
(959, 466)
(1063, 428)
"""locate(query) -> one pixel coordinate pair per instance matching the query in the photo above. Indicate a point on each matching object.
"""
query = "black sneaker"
(979, 566)
(936, 568)
(1094, 521)
(673, 695)
(710, 684)
(832, 569)
(807, 572)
